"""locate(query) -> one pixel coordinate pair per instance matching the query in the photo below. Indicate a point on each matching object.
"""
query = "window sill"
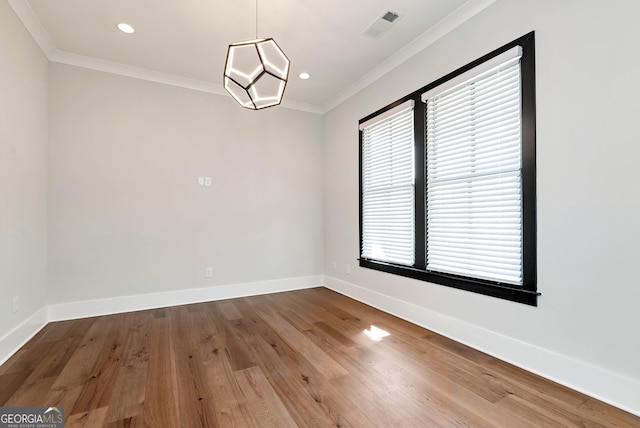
(512, 293)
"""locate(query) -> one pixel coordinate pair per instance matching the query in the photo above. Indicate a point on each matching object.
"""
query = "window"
(388, 189)
(447, 189)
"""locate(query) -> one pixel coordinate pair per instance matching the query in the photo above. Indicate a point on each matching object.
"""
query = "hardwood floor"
(291, 359)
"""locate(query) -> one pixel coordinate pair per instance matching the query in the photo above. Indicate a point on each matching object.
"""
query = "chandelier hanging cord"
(256, 19)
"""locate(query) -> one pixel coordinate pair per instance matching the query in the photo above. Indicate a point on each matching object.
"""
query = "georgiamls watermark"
(31, 417)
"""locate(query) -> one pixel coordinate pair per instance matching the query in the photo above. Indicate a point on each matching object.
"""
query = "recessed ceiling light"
(304, 76)
(126, 28)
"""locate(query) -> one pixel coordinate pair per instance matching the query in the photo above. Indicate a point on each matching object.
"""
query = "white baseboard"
(16, 338)
(597, 382)
(115, 305)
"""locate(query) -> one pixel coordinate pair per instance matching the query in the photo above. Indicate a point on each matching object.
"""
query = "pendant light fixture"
(256, 72)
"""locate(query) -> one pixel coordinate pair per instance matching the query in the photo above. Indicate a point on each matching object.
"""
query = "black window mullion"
(419, 132)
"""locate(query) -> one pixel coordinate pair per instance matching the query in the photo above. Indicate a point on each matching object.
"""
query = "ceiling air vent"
(381, 24)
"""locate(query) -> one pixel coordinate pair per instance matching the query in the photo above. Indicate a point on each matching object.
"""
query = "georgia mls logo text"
(31, 417)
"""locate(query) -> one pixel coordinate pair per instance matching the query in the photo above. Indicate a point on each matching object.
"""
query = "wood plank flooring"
(295, 359)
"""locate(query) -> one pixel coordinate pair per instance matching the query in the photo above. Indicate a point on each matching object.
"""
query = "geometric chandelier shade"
(256, 73)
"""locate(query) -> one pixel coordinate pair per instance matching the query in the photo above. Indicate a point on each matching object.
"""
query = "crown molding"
(31, 22)
(299, 105)
(444, 26)
(135, 72)
(158, 77)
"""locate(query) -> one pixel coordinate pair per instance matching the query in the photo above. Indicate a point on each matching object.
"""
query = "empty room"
(292, 213)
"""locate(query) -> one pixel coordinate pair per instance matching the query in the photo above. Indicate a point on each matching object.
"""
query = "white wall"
(23, 153)
(588, 195)
(126, 215)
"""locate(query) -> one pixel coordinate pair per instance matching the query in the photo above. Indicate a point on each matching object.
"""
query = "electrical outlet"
(349, 269)
(335, 265)
(16, 303)
(200, 181)
(207, 181)
(208, 272)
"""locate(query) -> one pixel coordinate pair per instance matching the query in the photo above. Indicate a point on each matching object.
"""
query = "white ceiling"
(185, 42)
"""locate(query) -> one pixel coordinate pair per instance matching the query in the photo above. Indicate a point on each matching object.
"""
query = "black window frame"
(527, 293)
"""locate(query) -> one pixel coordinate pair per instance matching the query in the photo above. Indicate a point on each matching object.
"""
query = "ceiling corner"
(33, 26)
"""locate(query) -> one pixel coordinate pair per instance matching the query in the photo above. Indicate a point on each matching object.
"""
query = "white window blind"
(474, 185)
(388, 187)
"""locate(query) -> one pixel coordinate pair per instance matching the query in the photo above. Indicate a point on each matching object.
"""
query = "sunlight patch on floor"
(376, 334)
